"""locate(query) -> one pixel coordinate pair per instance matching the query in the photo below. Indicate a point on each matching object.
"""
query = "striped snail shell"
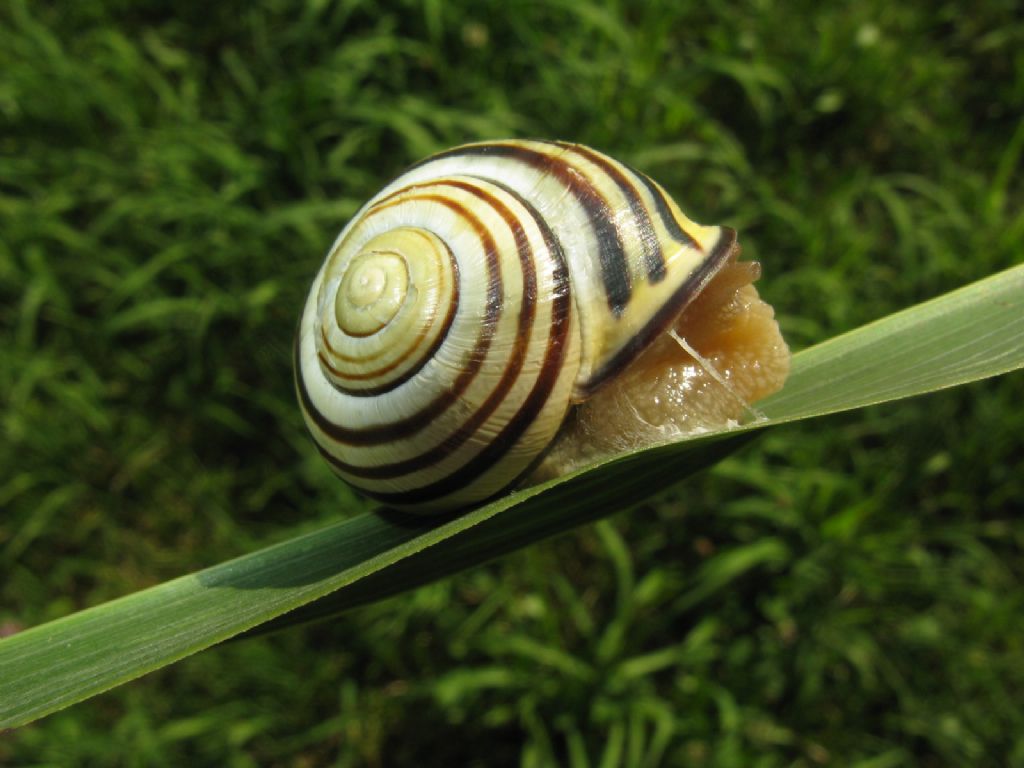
(473, 300)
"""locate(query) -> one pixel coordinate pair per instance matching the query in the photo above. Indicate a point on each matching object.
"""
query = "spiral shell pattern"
(471, 301)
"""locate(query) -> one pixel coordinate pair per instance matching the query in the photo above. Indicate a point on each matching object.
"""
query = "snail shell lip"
(664, 317)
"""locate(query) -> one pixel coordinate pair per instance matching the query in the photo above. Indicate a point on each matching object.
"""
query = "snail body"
(476, 299)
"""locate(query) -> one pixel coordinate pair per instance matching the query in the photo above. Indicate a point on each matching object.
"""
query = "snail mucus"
(508, 311)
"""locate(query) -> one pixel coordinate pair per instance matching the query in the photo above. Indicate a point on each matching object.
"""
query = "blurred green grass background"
(846, 593)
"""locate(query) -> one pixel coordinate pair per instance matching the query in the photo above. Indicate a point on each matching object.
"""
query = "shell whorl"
(473, 299)
(383, 309)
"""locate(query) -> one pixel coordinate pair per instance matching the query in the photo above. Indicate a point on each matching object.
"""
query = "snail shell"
(474, 300)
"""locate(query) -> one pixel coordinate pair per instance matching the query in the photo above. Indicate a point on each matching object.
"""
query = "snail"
(507, 311)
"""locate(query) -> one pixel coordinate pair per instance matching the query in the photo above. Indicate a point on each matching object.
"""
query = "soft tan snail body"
(473, 302)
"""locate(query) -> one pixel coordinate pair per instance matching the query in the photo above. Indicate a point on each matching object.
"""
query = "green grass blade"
(970, 334)
(967, 335)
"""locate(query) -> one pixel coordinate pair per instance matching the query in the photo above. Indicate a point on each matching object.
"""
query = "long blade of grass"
(967, 335)
(938, 344)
